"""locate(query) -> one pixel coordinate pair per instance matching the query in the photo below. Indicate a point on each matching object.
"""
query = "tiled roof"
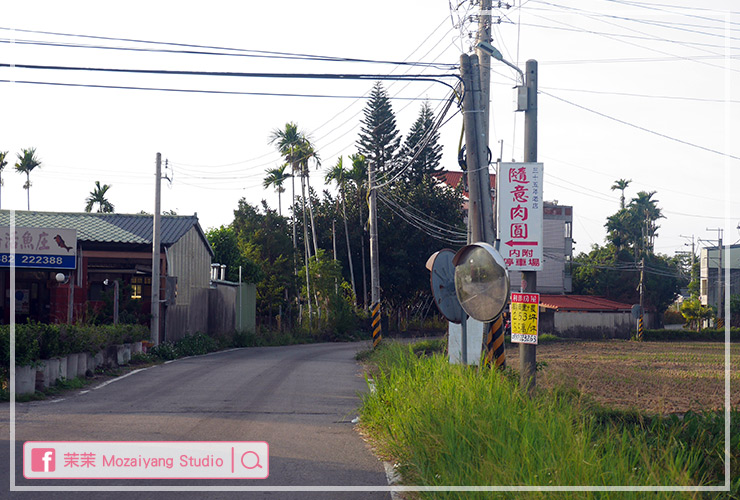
(107, 228)
(581, 303)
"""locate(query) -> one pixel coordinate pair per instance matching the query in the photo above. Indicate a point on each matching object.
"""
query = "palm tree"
(358, 175)
(3, 163)
(27, 161)
(97, 195)
(308, 152)
(621, 185)
(648, 212)
(275, 177)
(289, 141)
(338, 175)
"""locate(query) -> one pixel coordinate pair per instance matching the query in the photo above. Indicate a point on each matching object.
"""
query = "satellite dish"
(443, 285)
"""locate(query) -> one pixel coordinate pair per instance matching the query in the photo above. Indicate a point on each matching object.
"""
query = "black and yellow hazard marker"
(720, 322)
(376, 324)
(495, 354)
(639, 328)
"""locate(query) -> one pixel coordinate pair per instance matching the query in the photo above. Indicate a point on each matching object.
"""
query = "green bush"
(164, 351)
(673, 318)
(194, 345)
(705, 335)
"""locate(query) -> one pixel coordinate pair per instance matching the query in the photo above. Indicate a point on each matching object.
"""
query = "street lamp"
(494, 52)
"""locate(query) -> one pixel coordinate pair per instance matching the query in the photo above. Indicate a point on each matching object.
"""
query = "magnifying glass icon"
(257, 460)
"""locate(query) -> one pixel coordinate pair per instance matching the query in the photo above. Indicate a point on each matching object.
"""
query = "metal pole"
(528, 352)
(240, 298)
(155, 253)
(374, 258)
(116, 294)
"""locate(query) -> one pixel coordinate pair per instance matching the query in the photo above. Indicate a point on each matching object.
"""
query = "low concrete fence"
(44, 373)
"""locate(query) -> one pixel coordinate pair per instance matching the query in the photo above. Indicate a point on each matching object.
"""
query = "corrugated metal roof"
(581, 303)
(108, 228)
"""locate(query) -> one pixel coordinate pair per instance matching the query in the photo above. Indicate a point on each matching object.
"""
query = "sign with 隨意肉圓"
(520, 214)
(33, 247)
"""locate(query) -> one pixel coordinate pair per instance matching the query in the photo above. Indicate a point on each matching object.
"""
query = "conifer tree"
(379, 138)
(423, 158)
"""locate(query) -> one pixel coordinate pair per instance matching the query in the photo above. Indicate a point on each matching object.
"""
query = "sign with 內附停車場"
(34, 247)
(524, 317)
(520, 215)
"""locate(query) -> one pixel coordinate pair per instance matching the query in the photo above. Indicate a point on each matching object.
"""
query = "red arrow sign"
(512, 243)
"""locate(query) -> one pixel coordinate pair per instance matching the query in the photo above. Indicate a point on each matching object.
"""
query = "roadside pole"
(156, 228)
(374, 260)
(528, 352)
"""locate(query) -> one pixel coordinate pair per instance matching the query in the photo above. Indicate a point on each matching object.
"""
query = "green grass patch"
(451, 425)
(707, 335)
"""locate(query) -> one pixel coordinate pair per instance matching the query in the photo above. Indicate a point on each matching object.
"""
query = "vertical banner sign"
(520, 215)
(525, 316)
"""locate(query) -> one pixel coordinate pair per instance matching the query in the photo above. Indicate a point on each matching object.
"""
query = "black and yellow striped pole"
(639, 327)
(377, 335)
(720, 323)
(495, 353)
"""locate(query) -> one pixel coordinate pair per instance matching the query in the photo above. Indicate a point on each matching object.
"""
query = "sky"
(637, 90)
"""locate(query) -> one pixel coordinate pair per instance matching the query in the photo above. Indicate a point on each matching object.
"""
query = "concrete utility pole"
(528, 352)
(156, 229)
(640, 324)
(374, 260)
(484, 61)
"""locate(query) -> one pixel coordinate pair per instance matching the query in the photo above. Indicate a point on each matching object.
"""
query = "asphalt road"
(300, 399)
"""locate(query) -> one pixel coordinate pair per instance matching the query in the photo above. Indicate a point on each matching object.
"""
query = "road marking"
(118, 378)
(393, 478)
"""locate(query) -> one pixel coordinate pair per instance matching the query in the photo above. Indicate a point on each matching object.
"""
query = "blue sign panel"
(36, 261)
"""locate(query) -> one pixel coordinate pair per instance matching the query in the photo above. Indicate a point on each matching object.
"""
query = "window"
(568, 229)
(703, 287)
(137, 286)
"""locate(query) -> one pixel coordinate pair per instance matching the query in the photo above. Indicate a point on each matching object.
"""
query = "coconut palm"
(648, 213)
(275, 177)
(621, 185)
(97, 195)
(358, 175)
(27, 161)
(338, 175)
(3, 163)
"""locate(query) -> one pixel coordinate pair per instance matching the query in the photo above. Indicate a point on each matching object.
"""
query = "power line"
(210, 48)
(644, 129)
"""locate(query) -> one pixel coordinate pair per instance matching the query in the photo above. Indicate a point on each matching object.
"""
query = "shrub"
(194, 345)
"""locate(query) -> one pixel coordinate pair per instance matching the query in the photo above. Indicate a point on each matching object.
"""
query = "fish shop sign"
(34, 247)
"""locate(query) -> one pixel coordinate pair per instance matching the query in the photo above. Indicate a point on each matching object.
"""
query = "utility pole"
(528, 352)
(374, 261)
(156, 229)
(484, 61)
(640, 324)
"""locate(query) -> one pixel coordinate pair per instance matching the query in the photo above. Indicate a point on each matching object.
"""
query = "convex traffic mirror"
(481, 281)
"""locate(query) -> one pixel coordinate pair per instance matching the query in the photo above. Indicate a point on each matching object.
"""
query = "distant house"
(710, 273)
(585, 316)
(555, 276)
(62, 280)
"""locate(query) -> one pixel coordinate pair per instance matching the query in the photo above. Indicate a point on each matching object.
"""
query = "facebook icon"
(42, 460)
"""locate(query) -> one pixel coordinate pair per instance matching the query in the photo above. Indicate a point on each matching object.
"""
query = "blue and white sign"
(38, 248)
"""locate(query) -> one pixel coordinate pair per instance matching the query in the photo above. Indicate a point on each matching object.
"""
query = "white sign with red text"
(520, 214)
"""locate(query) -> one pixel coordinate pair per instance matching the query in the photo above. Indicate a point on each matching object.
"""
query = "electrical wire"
(638, 127)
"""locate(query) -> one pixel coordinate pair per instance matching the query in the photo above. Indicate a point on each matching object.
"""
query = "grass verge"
(448, 425)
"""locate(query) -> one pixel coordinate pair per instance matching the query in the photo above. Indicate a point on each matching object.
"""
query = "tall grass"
(460, 426)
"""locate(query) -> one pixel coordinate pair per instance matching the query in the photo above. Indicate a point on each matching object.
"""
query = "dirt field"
(661, 377)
